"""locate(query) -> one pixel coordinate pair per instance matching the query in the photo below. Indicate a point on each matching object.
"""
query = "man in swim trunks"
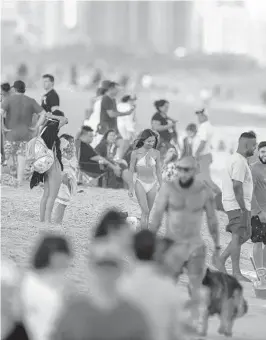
(184, 200)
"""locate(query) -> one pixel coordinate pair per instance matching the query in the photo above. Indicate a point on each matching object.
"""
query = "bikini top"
(143, 161)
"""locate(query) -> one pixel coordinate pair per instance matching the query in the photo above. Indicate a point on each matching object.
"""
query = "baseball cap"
(105, 84)
(19, 85)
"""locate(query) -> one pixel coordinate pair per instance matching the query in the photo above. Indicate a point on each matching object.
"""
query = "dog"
(224, 297)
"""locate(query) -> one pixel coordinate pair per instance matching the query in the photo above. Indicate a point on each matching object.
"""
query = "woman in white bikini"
(145, 161)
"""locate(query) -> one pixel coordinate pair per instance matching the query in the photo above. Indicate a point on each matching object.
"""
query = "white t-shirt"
(95, 116)
(125, 124)
(205, 133)
(41, 306)
(236, 169)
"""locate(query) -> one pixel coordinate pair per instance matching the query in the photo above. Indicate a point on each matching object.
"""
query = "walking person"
(18, 110)
(93, 115)
(109, 112)
(53, 176)
(203, 152)
(258, 220)
(163, 124)
(145, 160)
(184, 200)
(237, 188)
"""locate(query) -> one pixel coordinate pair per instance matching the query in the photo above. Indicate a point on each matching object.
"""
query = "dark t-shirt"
(164, 135)
(106, 122)
(82, 320)
(86, 152)
(49, 100)
(19, 110)
(18, 333)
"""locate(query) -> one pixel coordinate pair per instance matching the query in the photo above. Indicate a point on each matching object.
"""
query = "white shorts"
(64, 195)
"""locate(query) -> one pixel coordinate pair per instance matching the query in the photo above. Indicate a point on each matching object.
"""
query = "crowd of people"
(134, 291)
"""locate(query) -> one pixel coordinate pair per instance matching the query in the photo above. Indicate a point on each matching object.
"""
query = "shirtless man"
(184, 200)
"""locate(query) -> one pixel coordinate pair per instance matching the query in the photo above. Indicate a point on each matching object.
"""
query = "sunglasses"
(184, 169)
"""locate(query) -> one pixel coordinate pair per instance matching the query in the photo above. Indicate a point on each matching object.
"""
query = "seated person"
(90, 162)
(107, 148)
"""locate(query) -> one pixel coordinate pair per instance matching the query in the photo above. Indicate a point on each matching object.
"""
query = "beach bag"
(41, 157)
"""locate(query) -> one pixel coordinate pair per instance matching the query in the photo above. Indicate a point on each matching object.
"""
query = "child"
(68, 186)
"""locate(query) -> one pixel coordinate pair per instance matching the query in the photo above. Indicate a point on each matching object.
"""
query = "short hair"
(49, 76)
(49, 245)
(112, 220)
(112, 85)
(192, 127)
(262, 145)
(5, 87)
(86, 128)
(248, 135)
(68, 137)
(160, 103)
(145, 245)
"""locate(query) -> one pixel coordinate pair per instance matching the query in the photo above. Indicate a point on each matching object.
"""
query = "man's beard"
(262, 161)
(186, 184)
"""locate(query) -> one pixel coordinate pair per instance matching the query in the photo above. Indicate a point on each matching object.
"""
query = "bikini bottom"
(146, 186)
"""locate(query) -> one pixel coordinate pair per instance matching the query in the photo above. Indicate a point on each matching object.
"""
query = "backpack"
(41, 157)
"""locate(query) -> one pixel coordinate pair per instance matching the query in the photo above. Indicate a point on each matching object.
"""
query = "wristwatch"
(218, 248)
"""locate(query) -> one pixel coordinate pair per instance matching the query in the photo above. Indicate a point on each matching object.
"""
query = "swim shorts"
(237, 225)
(190, 256)
(14, 149)
(258, 230)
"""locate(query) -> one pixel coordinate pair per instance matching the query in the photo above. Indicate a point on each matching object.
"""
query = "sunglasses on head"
(184, 169)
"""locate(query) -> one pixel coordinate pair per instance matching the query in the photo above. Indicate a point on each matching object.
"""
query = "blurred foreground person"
(11, 326)
(184, 200)
(258, 220)
(44, 288)
(155, 293)
(237, 189)
(19, 110)
(104, 314)
(145, 160)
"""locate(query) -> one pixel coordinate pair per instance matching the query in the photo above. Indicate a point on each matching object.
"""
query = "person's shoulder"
(156, 116)
(257, 167)
(236, 159)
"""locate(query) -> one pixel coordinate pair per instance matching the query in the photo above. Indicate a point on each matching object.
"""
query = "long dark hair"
(159, 103)
(145, 134)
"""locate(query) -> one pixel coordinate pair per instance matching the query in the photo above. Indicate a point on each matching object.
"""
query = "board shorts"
(190, 256)
(235, 226)
(258, 230)
(14, 149)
